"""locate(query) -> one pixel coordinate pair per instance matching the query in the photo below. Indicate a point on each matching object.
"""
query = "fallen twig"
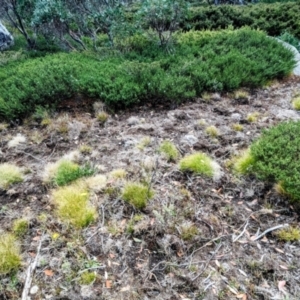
(30, 271)
(269, 230)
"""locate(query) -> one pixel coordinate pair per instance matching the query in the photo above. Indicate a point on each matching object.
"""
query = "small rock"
(133, 121)
(236, 117)
(190, 139)
(34, 290)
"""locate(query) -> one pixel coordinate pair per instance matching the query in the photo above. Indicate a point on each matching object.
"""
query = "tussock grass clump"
(237, 127)
(200, 163)
(289, 234)
(244, 163)
(96, 183)
(85, 149)
(102, 117)
(296, 103)
(145, 142)
(252, 118)
(212, 131)
(73, 207)
(137, 194)
(169, 150)
(118, 174)
(20, 227)
(241, 95)
(9, 174)
(10, 259)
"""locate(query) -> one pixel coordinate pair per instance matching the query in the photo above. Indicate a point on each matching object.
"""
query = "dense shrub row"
(212, 61)
(274, 19)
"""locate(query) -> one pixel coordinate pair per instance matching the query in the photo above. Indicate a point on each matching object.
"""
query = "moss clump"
(87, 278)
(237, 127)
(20, 227)
(289, 234)
(102, 117)
(85, 149)
(241, 95)
(137, 194)
(244, 163)
(9, 174)
(10, 259)
(212, 131)
(296, 103)
(73, 207)
(169, 150)
(199, 163)
(188, 231)
(252, 118)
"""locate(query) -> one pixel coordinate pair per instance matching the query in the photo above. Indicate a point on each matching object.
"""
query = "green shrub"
(276, 157)
(137, 194)
(274, 19)
(169, 150)
(9, 174)
(201, 61)
(10, 259)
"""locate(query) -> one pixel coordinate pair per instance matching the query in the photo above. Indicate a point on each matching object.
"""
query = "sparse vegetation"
(145, 142)
(10, 259)
(137, 194)
(118, 174)
(20, 227)
(289, 234)
(237, 127)
(200, 163)
(9, 174)
(96, 183)
(73, 207)
(296, 103)
(188, 231)
(212, 131)
(87, 278)
(252, 118)
(169, 150)
(243, 163)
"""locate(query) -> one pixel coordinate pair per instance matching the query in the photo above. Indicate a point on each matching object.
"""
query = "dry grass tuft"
(9, 174)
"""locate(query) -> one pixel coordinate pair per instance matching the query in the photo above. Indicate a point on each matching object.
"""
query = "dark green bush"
(276, 157)
(272, 18)
(212, 61)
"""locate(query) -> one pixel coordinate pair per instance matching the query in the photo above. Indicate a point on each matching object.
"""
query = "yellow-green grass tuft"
(137, 194)
(169, 150)
(252, 118)
(10, 259)
(188, 231)
(200, 163)
(212, 131)
(289, 234)
(243, 163)
(118, 174)
(96, 183)
(102, 117)
(72, 205)
(145, 142)
(237, 127)
(296, 103)
(20, 227)
(9, 174)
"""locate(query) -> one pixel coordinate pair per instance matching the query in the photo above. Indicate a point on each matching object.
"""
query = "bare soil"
(222, 261)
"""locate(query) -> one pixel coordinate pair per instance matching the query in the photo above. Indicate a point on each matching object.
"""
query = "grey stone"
(6, 39)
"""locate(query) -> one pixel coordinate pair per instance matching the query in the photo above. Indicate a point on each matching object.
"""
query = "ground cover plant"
(202, 61)
(9, 174)
(274, 158)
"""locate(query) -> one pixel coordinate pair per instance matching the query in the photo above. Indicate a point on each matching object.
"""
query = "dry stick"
(243, 231)
(269, 230)
(211, 257)
(30, 271)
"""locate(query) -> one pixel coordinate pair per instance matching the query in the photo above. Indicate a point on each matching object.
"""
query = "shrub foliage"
(276, 157)
(212, 61)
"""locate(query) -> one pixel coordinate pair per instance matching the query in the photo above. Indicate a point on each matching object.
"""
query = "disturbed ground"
(227, 258)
